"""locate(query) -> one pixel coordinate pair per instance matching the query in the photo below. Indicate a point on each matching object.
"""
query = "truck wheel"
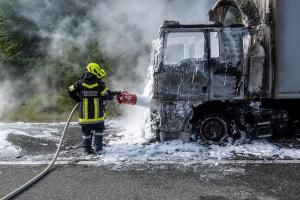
(213, 129)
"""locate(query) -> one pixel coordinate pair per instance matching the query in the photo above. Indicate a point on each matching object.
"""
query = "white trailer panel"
(287, 83)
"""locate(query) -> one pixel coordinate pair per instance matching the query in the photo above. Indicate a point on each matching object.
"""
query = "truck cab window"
(233, 16)
(214, 45)
(181, 46)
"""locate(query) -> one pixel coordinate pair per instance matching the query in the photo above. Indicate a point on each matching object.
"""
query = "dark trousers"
(88, 130)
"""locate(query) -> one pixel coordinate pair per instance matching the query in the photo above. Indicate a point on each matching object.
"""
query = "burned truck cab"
(231, 80)
(196, 65)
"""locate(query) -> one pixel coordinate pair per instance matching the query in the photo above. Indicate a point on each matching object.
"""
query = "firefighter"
(90, 92)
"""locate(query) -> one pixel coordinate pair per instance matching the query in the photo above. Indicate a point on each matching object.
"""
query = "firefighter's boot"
(87, 144)
(98, 142)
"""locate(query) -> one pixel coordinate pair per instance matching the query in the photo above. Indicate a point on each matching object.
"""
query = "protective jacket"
(90, 92)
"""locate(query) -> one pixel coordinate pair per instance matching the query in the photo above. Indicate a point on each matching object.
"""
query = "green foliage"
(18, 41)
(24, 56)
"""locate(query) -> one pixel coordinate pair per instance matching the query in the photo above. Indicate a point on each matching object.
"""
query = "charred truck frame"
(231, 80)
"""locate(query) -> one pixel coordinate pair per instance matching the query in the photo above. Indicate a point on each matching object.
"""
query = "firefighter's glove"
(116, 93)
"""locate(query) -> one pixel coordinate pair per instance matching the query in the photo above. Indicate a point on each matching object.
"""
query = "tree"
(18, 40)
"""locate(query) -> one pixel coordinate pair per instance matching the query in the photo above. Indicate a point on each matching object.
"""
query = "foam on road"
(36, 143)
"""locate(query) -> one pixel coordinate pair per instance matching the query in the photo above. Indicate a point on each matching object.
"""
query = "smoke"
(123, 29)
(7, 96)
(128, 27)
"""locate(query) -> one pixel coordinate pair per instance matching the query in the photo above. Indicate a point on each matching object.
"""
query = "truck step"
(297, 132)
(264, 136)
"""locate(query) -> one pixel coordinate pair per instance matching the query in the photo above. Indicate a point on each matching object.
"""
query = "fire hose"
(123, 98)
(44, 172)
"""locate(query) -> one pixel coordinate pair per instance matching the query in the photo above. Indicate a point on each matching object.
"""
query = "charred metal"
(217, 82)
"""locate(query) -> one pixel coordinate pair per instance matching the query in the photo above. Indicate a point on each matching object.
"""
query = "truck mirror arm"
(160, 67)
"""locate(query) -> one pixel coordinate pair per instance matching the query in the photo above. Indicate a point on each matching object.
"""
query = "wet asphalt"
(266, 181)
(250, 181)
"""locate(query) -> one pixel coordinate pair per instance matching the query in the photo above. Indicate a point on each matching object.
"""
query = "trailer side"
(287, 82)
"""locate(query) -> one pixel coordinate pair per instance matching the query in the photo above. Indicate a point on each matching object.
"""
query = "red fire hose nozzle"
(127, 98)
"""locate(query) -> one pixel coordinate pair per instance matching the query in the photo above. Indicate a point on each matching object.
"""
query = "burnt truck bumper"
(171, 120)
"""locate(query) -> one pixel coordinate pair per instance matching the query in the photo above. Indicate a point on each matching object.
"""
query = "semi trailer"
(233, 79)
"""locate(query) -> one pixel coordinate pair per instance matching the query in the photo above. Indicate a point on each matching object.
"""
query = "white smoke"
(124, 30)
(128, 27)
(8, 91)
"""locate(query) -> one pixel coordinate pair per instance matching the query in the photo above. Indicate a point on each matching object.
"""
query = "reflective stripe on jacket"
(90, 93)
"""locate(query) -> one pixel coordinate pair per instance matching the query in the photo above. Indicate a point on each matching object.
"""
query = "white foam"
(6, 148)
(35, 130)
(190, 153)
(126, 147)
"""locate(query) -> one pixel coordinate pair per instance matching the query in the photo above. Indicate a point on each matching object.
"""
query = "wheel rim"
(214, 129)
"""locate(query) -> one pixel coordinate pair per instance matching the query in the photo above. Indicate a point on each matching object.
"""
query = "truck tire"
(213, 129)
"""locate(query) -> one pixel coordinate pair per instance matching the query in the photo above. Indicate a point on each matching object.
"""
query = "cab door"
(183, 74)
(226, 61)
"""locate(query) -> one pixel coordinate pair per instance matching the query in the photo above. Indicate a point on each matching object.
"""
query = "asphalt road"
(234, 181)
(242, 176)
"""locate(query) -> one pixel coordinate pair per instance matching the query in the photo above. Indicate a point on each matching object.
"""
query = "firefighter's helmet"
(96, 70)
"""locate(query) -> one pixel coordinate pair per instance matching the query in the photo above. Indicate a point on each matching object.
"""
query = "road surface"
(233, 181)
(130, 169)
